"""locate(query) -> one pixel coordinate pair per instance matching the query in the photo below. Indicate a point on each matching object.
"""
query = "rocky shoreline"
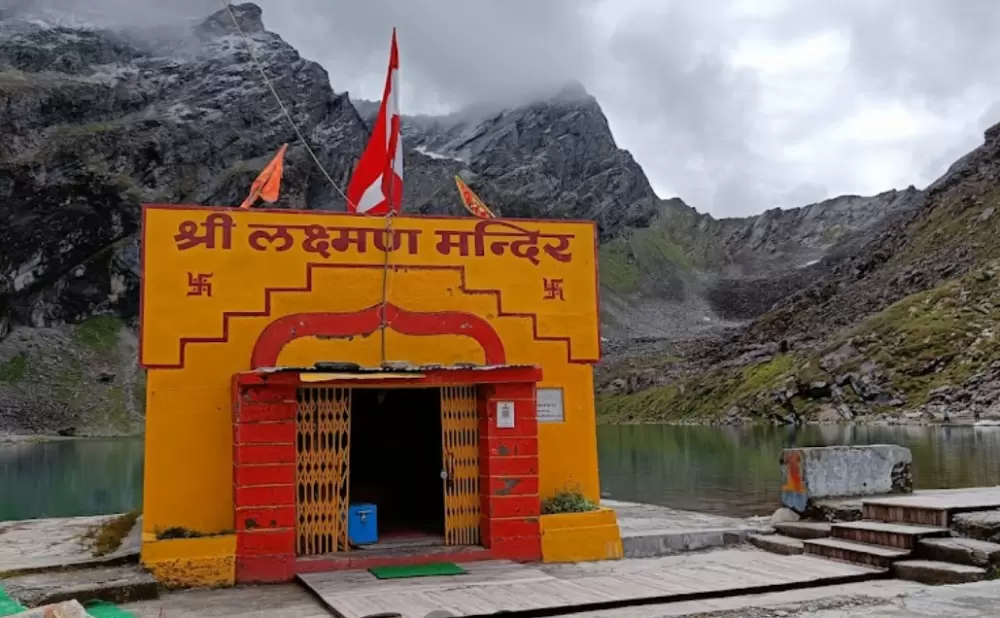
(41, 438)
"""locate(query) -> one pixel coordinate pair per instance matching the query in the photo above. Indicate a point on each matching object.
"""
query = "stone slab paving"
(773, 604)
(493, 586)
(38, 544)
(878, 599)
(847, 509)
(649, 530)
(946, 499)
(112, 584)
(978, 600)
(291, 601)
(280, 601)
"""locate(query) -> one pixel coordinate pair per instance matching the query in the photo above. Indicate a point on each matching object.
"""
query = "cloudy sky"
(735, 106)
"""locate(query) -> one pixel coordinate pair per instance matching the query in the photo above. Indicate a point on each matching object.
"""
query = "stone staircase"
(913, 542)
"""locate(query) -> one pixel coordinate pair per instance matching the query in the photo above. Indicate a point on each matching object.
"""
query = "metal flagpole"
(386, 239)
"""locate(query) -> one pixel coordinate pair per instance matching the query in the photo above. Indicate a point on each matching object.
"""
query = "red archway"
(283, 331)
(264, 449)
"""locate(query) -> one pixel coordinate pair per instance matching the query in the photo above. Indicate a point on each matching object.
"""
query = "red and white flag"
(376, 188)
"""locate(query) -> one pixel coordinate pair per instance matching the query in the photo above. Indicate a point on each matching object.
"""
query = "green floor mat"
(416, 570)
(8, 606)
(100, 609)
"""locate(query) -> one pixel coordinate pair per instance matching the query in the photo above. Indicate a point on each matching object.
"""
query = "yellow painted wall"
(208, 562)
(188, 467)
(581, 537)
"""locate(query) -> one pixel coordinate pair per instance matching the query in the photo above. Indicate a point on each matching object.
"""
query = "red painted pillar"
(264, 434)
(509, 474)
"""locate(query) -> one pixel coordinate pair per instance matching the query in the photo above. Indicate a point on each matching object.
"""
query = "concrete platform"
(957, 500)
(649, 531)
(112, 584)
(850, 508)
(876, 599)
(798, 603)
(280, 601)
(294, 601)
(931, 508)
(490, 587)
(43, 544)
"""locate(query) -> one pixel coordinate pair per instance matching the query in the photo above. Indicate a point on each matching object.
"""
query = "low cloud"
(735, 106)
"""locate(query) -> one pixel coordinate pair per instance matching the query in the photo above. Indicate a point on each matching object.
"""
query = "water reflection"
(725, 470)
(734, 470)
(70, 478)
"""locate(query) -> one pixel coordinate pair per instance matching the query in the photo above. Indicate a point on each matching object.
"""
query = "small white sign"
(505, 414)
(550, 405)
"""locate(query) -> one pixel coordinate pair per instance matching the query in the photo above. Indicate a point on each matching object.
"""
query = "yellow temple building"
(333, 391)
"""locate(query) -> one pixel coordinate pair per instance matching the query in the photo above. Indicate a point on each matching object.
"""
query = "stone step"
(112, 584)
(900, 536)
(776, 543)
(804, 529)
(851, 551)
(655, 543)
(934, 572)
(979, 525)
(969, 552)
(902, 514)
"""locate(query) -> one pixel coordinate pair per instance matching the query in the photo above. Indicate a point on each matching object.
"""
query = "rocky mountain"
(97, 121)
(905, 326)
(665, 268)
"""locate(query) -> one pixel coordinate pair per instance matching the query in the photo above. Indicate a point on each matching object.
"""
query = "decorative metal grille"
(460, 441)
(323, 459)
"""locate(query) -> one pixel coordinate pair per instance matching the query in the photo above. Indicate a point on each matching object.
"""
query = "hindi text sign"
(203, 267)
(550, 405)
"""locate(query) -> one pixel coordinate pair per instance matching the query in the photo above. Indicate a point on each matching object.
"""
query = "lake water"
(70, 478)
(724, 470)
(735, 470)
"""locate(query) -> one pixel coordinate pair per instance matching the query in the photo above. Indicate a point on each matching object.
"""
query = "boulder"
(784, 515)
(810, 474)
(66, 609)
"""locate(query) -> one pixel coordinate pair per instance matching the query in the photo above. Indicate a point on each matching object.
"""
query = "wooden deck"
(494, 586)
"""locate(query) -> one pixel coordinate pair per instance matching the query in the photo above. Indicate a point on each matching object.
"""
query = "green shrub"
(567, 502)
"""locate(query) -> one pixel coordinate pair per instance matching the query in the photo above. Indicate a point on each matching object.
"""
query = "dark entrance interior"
(396, 461)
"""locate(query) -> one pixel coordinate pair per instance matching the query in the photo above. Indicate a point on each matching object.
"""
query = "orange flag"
(268, 183)
(472, 201)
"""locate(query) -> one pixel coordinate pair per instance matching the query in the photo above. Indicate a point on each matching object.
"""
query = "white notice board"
(550, 405)
(505, 414)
